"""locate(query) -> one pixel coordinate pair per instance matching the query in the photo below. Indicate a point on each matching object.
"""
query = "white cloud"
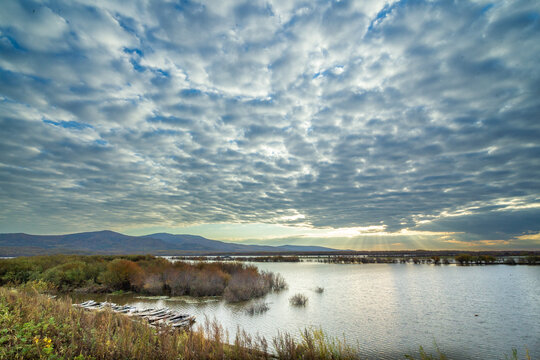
(412, 116)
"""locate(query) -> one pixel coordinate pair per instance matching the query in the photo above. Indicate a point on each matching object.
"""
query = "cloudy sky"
(352, 124)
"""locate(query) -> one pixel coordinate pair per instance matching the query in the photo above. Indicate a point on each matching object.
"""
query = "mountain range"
(110, 242)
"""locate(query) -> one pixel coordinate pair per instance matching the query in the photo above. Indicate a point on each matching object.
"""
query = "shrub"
(153, 284)
(70, 275)
(208, 283)
(179, 282)
(257, 308)
(246, 285)
(120, 274)
(298, 300)
(464, 259)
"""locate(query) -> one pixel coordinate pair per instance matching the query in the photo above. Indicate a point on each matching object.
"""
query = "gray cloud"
(420, 115)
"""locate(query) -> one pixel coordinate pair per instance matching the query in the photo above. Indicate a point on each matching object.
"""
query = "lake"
(389, 310)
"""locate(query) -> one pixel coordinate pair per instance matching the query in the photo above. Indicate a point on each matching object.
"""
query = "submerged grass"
(298, 300)
(257, 308)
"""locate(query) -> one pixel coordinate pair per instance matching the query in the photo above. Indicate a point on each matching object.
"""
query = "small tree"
(463, 259)
(120, 274)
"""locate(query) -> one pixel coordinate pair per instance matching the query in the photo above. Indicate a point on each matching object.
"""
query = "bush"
(209, 283)
(246, 285)
(464, 259)
(278, 282)
(120, 274)
(257, 308)
(298, 300)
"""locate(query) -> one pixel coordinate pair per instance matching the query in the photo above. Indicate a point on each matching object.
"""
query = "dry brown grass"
(298, 300)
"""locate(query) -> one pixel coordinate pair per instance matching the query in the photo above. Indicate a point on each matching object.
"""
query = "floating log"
(160, 317)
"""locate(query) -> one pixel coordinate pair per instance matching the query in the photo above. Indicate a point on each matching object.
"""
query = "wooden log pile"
(161, 317)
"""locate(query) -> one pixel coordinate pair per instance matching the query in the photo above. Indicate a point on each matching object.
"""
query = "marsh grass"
(298, 300)
(257, 308)
(423, 355)
(515, 356)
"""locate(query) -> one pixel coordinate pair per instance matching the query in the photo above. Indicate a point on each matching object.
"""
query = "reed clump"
(298, 300)
(257, 308)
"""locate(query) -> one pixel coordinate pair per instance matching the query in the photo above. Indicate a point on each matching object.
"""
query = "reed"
(257, 308)
(298, 300)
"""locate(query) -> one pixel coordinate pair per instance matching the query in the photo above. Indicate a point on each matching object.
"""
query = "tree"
(120, 274)
(463, 259)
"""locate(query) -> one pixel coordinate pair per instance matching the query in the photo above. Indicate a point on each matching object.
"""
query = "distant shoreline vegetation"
(142, 274)
(531, 258)
(254, 258)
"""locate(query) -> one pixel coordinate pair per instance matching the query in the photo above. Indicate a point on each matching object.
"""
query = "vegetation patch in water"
(298, 300)
(257, 308)
(141, 274)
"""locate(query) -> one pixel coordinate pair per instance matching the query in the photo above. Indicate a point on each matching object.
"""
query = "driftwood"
(162, 317)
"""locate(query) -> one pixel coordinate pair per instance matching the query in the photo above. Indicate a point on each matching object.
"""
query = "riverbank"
(143, 274)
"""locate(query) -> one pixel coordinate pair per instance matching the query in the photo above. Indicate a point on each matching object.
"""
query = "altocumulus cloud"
(400, 117)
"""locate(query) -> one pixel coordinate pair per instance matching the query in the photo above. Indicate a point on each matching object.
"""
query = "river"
(389, 310)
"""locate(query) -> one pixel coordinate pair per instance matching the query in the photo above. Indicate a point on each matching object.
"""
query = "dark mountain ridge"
(110, 242)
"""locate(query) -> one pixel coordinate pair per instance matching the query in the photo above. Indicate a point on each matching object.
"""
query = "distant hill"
(110, 242)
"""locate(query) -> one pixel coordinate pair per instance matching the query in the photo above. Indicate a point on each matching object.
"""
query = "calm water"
(391, 309)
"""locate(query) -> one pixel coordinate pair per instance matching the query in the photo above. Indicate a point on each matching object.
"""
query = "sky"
(350, 124)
